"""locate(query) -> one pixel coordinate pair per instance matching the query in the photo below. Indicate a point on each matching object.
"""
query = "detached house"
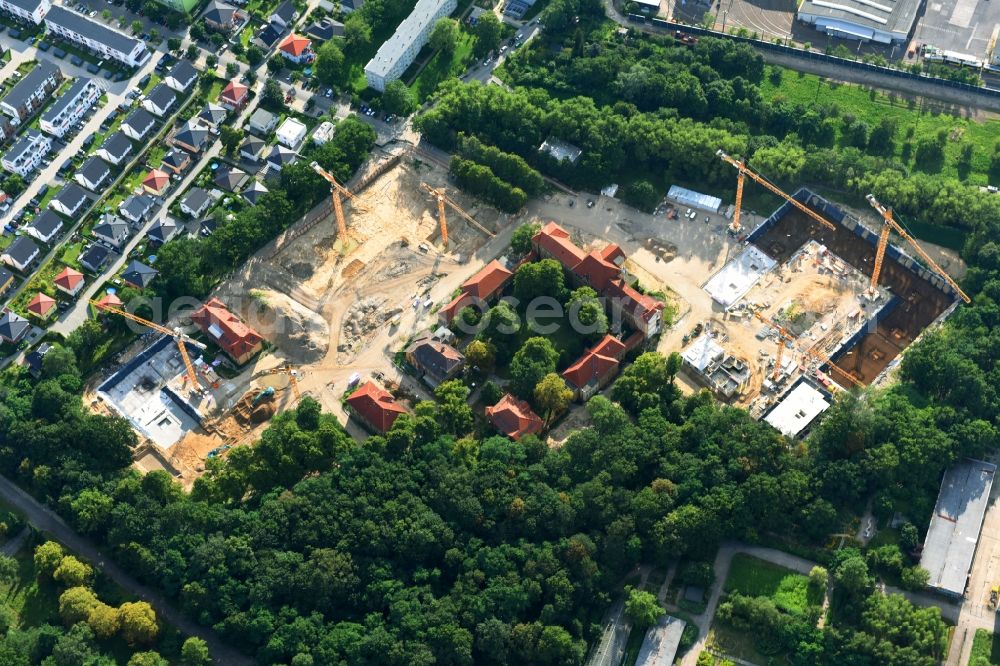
(176, 160)
(234, 96)
(220, 16)
(13, 327)
(192, 137)
(262, 122)
(69, 281)
(94, 174)
(374, 407)
(136, 208)
(181, 76)
(138, 125)
(284, 16)
(70, 200)
(42, 306)
(115, 149)
(113, 231)
(160, 100)
(297, 48)
(438, 361)
(514, 418)
(279, 157)
(230, 179)
(95, 258)
(46, 226)
(253, 193)
(196, 202)
(6, 280)
(156, 182)
(32, 92)
(212, 114)
(162, 231)
(252, 148)
(239, 341)
(138, 274)
(484, 287)
(20, 254)
(70, 107)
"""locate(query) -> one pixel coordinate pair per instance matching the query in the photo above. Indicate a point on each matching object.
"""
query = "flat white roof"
(702, 352)
(405, 36)
(794, 414)
(292, 130)
(739, 276)
(686, 197)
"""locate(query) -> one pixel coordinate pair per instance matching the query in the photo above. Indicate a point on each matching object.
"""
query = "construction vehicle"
(785, 337)
(266, 394)
(336, 192)
(442, 199)
(744, 170)
(181, 339)
(293, 379)
(889, 224)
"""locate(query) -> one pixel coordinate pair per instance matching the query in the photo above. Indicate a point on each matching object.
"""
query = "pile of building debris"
(364, 317)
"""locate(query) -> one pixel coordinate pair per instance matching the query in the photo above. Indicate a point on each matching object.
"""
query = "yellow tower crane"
(336, 192)
(889, 224)
(179, 338)
(744, 170)
(442, 199)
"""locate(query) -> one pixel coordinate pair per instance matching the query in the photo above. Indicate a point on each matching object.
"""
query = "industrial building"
(881, 21)
(399, 51)
(950, 544)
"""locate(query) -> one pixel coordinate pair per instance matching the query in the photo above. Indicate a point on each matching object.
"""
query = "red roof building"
(111, 300)
(375, 407)
(42, 305)
(296, 48)
(595, 368)
(554, 241)
(69, 281)
(156, 182)
(642, 312)
(234, 96)
(514, 418)
(595, 271)
(235, 338)
(485, 285)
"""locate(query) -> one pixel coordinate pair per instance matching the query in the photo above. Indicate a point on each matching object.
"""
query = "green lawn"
(872, 106)
(741, 645)
(757, 578)
(442, 67)
(985, 646)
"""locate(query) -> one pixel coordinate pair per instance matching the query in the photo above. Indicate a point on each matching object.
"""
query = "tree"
(357, 32)
(14, 184)
(48, 556)
(453, 406)
(488, 32)
(136, 27)
(331, 66)
(272, 96)
(192, 52)
(479, 356)
(105, 620)
(59, 361)
(540, 278)
(174, 44)
(909, 537)
(444, 36)
(535, 359)
(552, 396)
(398, 99)
(641, 194)
(8, 569)
(232, 69)
(106, 15)
(194, 652)
(230, 138)
(72, 572)
(147, 659)
(76, 603)
(74, 647)
(586, 314)
(642, 608)
(500, 327)
(254, 55)
(852, 574)
(138, 621)
(211, 61)
(819, 578)
(520, 240)
(154, 35)
(914, 578)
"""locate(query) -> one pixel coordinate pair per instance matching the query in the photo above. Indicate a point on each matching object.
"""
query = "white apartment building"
(25, 155)
(32, 92)
(70, 107)
(29, 10)
(399, 51)
(96, 36)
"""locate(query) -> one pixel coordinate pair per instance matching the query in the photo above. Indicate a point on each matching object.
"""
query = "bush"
(480, 180)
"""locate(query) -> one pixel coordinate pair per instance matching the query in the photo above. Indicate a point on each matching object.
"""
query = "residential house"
(220, 16)
(94, 258)
(96, 37)
(20, 254)
(212, 114)
(115, 149)
(6, 280)
(436, 360)
(196, 202)
(348, 6)
(42, 306)
(262, 122)
(138, 125)
(70, 200)
(596, 368)
(27, 153)
(33, 360)
(252, 148)
(69, 281)
(297, 48)
(156, 183)
(138, 274)
(176, 160)
(182, 76)
(70, 107)
(322, 133)
(27, 10)
(160, 100)
(642, 312)
(325, 30)
(191, 136)
(110, 300)
(239, 341)
(234, 96)
(136, 208)
(13, 327)
(279, 157)
(162, 231)
(112, 230)
(514, 418)
(291, 132)
(399, 51)
(32, 92)
(7, 127)
(94, 174)
(230, 179)
(284, 16)
(484, 287)
(253, 193)
(267, 37)
(374, 407)
(46, 226)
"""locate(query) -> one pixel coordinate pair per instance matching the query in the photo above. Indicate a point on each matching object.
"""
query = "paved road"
(44, 520)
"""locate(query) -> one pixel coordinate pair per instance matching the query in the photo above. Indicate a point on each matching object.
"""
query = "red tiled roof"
(156, 180)
(294, 44)
(234, 92)
(555, 240)
(68, 279)
(112, 300)
(514, 417)
(488, 281)
(41, 304)
(376, 406)
(448, 312)
(595, 364)
(613, 253)
(640, 304)
(596, 271)
(237, 338)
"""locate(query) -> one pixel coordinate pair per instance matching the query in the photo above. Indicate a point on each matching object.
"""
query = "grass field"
(442, 67)
(985, 646)
(739, 644)
(757, 578)
(924, 121)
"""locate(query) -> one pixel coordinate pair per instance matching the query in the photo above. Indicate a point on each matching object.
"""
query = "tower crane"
(442, 199)
(784, 336)
(336, 192)
(178, 337)
(889, 224)
(744, 170)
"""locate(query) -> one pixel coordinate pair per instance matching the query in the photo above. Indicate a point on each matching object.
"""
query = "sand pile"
(301, 334)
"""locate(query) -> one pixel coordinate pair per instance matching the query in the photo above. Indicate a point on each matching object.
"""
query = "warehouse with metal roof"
(881, 21)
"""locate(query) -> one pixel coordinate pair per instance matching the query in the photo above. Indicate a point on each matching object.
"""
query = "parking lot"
(964, 26)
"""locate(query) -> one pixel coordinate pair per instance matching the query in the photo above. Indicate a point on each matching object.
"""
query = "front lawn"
(442, 67)
(756, 578)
